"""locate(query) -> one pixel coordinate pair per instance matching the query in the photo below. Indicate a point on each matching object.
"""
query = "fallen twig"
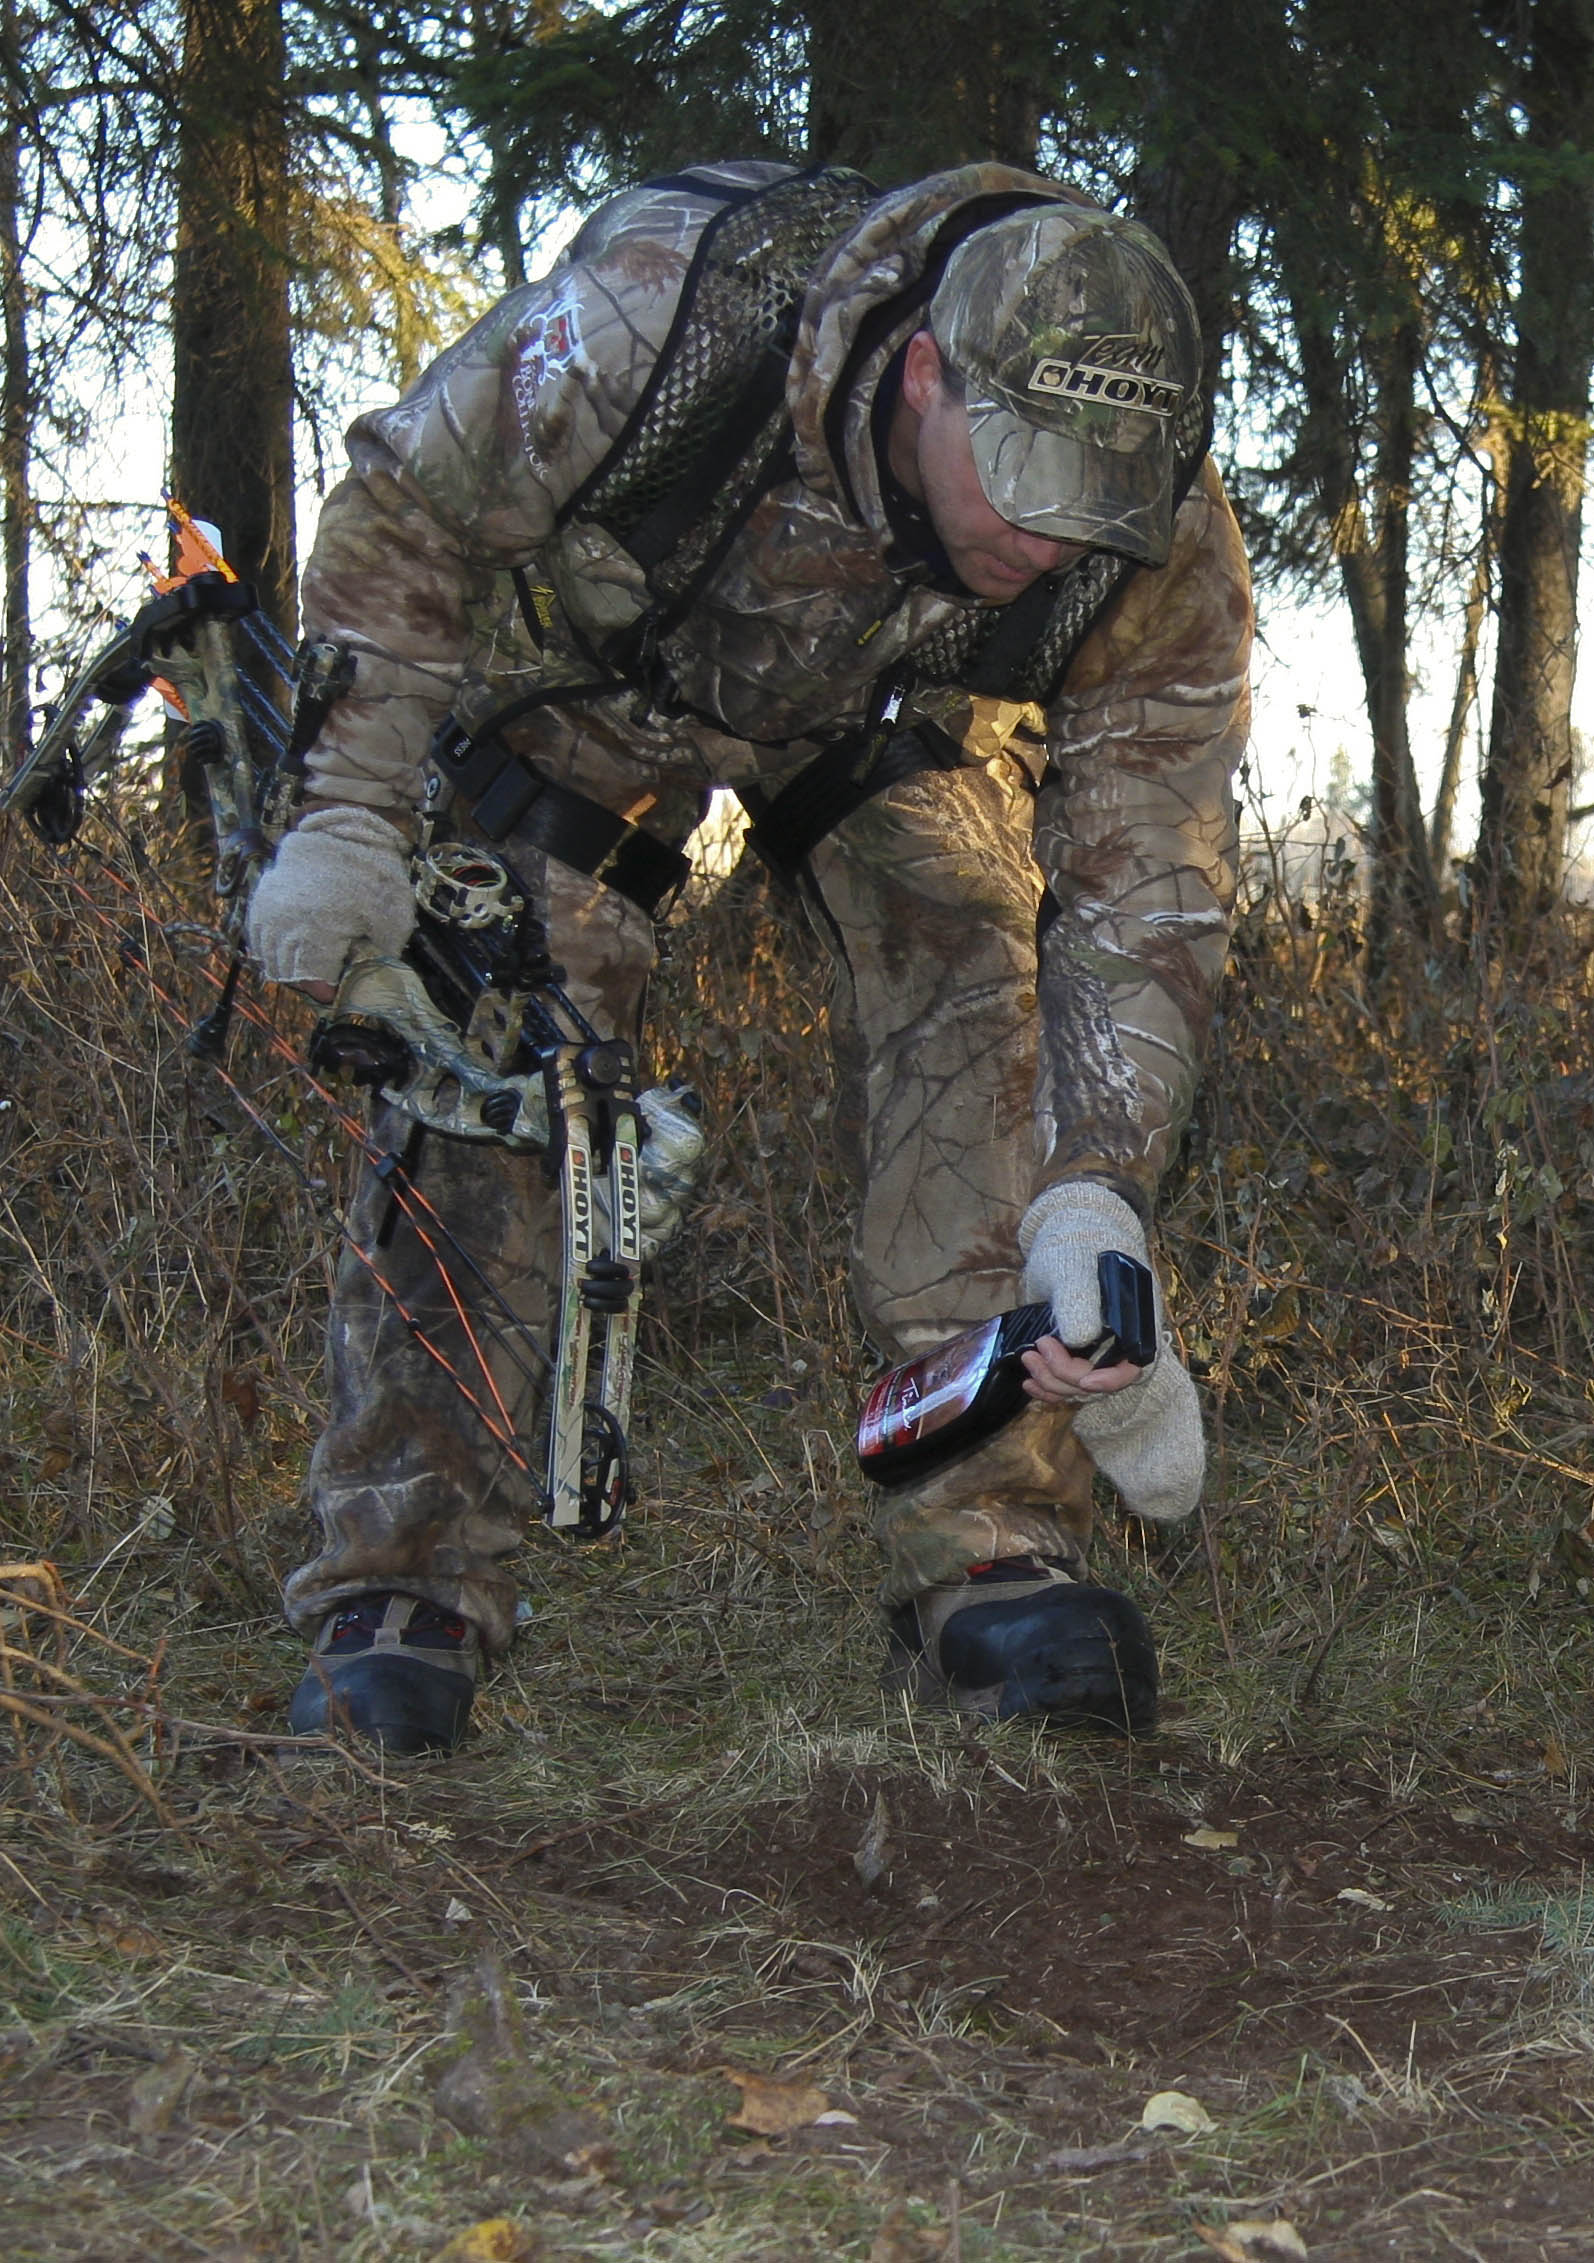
(114, 1747)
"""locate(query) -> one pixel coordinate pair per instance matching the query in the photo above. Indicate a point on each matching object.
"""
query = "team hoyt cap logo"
(1117, 371)
(1079, 350)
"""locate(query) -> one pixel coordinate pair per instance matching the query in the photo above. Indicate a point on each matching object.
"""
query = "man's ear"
(921, 372)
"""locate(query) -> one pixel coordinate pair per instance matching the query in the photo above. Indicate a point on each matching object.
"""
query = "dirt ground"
(332, 2012)
(704, 1949)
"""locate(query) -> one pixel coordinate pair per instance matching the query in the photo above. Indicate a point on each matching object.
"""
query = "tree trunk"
(1530, 772)
(1193, 203)
(1444, 808)
(1374, 575)
(492, 28)
(232, 399)
(1187, 185)
(15, 415)
(1403, 881)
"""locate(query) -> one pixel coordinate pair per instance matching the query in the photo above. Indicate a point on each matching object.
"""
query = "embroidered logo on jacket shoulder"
(549, 342)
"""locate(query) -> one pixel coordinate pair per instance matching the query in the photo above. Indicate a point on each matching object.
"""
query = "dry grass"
(227, 1971)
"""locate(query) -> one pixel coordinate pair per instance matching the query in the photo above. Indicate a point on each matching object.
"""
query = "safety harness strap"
(509, 795)
(788, 826)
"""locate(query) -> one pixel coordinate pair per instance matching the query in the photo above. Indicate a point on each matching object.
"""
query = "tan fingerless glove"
(340, 878)
(1147, 1437)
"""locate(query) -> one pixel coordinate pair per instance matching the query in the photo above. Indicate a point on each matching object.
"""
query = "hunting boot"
(1025, 1635)
(392, 1669)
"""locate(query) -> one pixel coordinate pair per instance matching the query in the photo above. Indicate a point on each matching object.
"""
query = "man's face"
(932, 457)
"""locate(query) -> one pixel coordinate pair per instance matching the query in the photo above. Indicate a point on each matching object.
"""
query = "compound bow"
(471, 1034)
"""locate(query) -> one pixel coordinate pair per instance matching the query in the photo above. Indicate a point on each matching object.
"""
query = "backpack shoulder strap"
(721, 370)
(709, 435)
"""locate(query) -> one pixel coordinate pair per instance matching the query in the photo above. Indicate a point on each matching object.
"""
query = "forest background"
(1384, 217)
(703, 1948)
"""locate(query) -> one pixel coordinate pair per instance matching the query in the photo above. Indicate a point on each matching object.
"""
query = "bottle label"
(914, 1401)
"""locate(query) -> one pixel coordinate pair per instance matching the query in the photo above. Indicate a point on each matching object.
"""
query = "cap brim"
(1072, 491)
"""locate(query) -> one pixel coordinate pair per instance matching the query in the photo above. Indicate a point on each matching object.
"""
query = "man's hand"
(1064, 1235)
(1061, 1378)
(1141, 1426)
(341, 877)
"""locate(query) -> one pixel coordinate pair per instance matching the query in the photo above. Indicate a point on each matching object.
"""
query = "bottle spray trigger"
(1128, 1311)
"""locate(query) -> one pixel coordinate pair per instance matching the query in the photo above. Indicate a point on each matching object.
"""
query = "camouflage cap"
(1079, 348)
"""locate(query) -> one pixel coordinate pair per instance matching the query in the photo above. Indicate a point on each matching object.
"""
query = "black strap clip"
(323, 672)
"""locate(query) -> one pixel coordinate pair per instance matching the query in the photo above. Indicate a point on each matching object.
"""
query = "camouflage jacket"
(465, 477)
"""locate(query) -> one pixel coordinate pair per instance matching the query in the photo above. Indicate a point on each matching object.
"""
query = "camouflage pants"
(927, 897)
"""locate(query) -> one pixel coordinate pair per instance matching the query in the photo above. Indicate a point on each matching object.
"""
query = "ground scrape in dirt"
(1220, 1932)
(989, 1978)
